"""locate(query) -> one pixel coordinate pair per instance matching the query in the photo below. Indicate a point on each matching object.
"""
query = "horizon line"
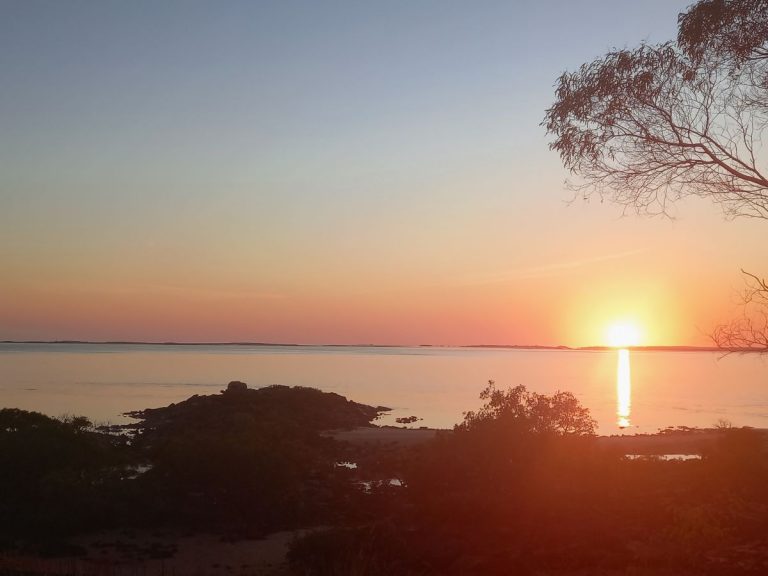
(660, 347)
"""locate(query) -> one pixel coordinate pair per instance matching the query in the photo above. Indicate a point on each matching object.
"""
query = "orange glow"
(623, 334)
(418, 300)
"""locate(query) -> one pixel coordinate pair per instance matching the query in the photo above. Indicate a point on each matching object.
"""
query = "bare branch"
(749, 330)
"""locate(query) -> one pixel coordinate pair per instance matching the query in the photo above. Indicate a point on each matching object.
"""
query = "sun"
(622, 335)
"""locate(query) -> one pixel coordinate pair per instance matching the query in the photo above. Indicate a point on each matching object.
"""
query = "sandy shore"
(684, 442)
(693, 442)
(385, 435)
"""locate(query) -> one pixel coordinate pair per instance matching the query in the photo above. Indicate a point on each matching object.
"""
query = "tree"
(725, 28)
(750, 329)
(648, 126)
(526, 412)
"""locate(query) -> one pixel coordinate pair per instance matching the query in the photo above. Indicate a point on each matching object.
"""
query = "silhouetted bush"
(56, 476)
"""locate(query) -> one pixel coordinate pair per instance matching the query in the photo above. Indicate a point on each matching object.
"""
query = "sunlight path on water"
(623, 389)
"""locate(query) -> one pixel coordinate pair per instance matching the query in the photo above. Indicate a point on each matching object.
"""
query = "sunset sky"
(329, 172)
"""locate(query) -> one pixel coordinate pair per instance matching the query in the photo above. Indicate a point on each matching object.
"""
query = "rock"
(236, 387)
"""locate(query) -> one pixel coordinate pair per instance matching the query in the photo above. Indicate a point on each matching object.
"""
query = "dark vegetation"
(252, 460)
(57, 477)
(521, 486)
(407, 419)
(245, 461)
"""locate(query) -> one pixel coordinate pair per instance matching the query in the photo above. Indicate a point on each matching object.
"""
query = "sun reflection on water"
(623, 389)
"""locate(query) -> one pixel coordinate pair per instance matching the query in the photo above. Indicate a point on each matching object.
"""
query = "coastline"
(693, 441)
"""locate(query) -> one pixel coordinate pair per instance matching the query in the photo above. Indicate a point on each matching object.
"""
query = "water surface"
(437, 384)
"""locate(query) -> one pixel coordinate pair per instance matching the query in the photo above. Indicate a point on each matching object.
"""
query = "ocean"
(435, 384)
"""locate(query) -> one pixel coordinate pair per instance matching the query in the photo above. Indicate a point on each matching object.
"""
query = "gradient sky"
(328, 172)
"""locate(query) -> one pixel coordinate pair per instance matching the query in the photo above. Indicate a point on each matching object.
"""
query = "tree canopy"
(518, 409)
(650, 125)
(731, 29)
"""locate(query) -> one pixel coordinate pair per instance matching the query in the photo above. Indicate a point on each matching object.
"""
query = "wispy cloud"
(189, 291)
(550, 270)
(213, 292)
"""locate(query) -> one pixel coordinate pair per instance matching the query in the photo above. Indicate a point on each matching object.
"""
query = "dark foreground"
(252, 482)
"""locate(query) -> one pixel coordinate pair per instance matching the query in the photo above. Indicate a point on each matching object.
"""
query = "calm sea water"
(435, 384)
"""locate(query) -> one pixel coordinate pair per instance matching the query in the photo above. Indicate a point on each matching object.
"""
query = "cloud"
(212, 292)
(550, 270)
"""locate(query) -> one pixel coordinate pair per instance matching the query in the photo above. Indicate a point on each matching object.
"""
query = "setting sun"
(622, 335)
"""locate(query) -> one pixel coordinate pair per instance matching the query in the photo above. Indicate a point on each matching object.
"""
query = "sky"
(329, 172)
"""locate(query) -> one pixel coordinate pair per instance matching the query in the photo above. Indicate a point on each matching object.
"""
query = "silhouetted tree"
(530, 412)
(750, 329)
(728, 29)
(647, 126)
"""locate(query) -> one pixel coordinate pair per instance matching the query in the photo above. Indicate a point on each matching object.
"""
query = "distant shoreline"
(414, 346)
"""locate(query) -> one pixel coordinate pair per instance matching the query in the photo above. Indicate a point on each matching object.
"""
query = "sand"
(385, 435)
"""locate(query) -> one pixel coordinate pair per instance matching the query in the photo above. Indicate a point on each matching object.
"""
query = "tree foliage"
(648, 126)
(529, 412)
(736, 30)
